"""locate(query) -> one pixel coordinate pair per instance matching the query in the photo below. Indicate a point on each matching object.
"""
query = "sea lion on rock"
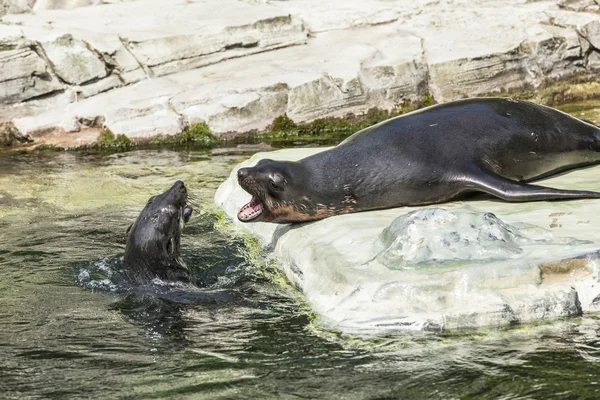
(490, 145)
(152, 249)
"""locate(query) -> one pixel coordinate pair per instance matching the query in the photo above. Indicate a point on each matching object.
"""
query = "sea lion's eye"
(277, 182)
(151, 199)
(273, 185)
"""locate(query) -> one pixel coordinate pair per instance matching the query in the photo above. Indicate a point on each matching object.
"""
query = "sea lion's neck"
(331, 170)
(336, 181)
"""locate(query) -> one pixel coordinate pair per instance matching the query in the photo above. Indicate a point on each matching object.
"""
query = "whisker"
(193, 200)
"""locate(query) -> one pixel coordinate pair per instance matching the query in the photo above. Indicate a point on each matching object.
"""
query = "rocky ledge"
(451, 266)
(144, 68)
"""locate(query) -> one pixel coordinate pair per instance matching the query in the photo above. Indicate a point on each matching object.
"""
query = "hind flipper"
(513, 191)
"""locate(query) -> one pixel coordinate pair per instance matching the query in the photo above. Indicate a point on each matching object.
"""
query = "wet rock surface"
(450, 266)
(237, 65)
(435, 236)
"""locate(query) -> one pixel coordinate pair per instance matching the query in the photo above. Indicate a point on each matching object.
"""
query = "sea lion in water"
(490, 145)
(152, 249)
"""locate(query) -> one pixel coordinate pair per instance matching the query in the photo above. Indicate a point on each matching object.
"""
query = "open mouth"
(251, 211)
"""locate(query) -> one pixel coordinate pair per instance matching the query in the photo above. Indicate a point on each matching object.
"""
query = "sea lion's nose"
(242, 173)
(178, 184)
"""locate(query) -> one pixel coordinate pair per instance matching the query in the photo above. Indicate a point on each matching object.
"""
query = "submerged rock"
(456, 265)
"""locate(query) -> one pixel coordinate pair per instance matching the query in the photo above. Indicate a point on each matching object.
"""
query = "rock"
(435, 236)
(591, 31)
(81, 137)
(10, 136)
(594, 61)
(15, 6)
(73, 61)
(136, 101)
(238, 65)
(140, 123)
(24, 74)
(252, 110)
(230, 99)
(320, 17)
(63, 4)
(449, 266)
(164, 56)
(528, 52)
(578, 5)
(193, 34)
(94, 88)
(383, 67)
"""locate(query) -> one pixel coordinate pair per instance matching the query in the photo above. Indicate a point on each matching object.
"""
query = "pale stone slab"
(73, 61)
(63, 4)
(15, 6)
(381, 67)
(238, 65)
(143, 97)
(140, 123)
(24, 74)
(361, 273)
(172, 36)
(493, 55)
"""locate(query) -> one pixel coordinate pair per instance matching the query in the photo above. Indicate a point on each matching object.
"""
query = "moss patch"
(108, 141)
(578, 89)
(331, 130)
(197, 135)
(10, 135)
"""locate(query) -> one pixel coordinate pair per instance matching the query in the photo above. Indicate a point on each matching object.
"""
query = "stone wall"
(153, 67)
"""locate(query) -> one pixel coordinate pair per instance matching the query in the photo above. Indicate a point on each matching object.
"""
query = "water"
(244, 333)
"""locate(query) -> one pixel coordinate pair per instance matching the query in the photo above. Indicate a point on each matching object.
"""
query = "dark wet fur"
(153, 244)
(441, 153)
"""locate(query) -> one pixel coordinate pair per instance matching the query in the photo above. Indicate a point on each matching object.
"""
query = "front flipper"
(513, 191)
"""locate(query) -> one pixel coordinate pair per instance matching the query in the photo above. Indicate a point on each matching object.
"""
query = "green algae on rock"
(331, 129)
(196, 136)
(10, 135)
(108, 141)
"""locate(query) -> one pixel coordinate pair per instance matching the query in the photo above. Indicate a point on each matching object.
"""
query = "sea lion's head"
(152, 249)
(280, 192)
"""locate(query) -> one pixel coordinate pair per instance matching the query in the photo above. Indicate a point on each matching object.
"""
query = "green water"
(243, 333)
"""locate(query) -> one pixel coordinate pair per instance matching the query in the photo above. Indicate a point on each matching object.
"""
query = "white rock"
(578, 5)
(15, 6)
(503, 56)
(186, 35)
(319, 16)
(569, 19)
(73, 61)
(106, 45)
(591, 31)
(382, 67)
(136, 100)
(92, 89)
(62, 4)
(389, 270)
(144, 123)
(247, 111)
(238, 65)
(24, 74)
(594, 61)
